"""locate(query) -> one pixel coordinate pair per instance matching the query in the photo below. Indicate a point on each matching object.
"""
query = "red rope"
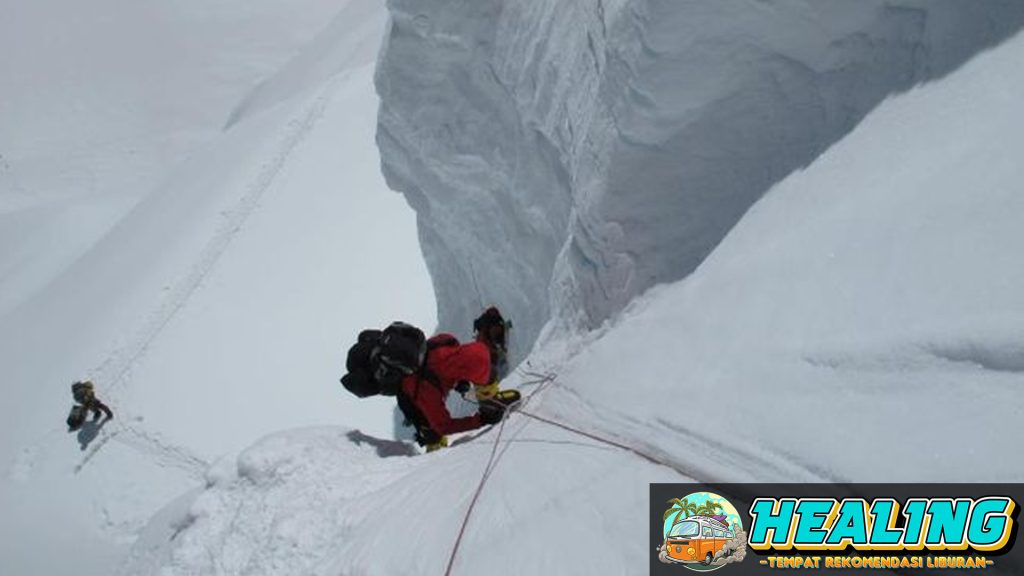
(476, 496)
(491, 461)
(647, 457)
(543, 380)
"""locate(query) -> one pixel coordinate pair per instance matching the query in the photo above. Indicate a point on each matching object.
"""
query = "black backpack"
(380, 359)
(76, 417)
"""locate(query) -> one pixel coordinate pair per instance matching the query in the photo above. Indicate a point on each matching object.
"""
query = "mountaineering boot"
(442, 443)
(493, 410)
(507, 397)
(487, 391)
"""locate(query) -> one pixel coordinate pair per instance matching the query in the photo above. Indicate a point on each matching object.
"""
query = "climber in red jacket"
(450, 365)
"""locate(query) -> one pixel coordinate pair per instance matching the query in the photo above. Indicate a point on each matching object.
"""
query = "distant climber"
(84, 393)
(399, 361)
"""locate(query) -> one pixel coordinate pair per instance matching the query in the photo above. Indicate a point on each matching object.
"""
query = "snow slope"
(212, 305)
(862, 321)
(101, 100)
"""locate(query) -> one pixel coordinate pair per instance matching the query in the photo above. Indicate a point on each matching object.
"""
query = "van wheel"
(707, 559)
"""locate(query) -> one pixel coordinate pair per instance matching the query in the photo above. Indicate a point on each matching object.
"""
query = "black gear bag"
(380, 359)
(76, 417)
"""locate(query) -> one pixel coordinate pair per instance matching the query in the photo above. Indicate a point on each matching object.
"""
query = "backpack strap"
(439, 341)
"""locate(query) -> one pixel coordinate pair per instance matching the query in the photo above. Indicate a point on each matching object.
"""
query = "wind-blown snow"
(855, 314)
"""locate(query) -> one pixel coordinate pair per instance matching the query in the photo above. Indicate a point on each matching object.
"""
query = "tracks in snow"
(115, 370)
(154, 447)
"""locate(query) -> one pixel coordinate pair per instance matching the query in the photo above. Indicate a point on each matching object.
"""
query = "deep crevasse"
(563, 157)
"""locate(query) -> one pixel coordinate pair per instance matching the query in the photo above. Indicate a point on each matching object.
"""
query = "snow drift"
(563, 157)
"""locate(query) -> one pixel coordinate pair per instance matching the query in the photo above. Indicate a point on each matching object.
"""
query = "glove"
(491, 412)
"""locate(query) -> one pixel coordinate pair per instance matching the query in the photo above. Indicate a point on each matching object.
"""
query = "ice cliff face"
(623, 138)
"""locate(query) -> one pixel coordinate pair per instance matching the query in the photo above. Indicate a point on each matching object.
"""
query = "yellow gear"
(507, 396)
(442, 443)
(487, 391)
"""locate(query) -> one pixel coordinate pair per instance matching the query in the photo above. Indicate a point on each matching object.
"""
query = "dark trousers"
(424, 435)
(97, 407)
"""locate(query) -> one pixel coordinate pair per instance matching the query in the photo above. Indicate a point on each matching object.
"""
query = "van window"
(730, 534)
(707, 531)
(719, 533)
(684, 528)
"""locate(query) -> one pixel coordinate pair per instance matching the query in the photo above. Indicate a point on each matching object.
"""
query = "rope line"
(596, 438)
(543, 380)
(476, 496)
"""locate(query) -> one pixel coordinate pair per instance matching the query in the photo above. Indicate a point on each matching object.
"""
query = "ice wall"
(565, 155)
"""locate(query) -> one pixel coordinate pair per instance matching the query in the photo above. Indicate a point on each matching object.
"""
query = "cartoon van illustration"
(697, 539)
